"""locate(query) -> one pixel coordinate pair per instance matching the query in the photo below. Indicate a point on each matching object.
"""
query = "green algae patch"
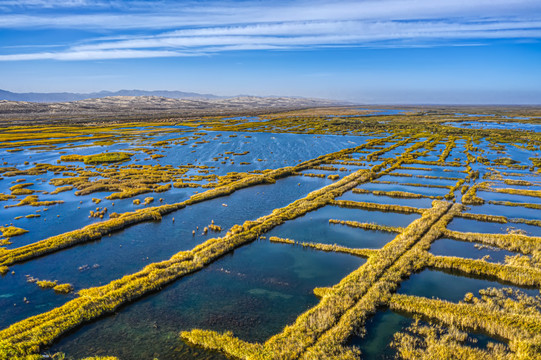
(109, 157)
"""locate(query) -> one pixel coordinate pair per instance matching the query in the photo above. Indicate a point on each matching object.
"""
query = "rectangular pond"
(254, 292)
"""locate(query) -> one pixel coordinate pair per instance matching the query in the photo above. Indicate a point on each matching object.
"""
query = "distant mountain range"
(67, 96)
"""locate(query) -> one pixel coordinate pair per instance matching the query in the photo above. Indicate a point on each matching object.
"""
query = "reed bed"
(314, 175)
(11, 231)
(377, 207)
(517, 182)
(426, 342)
(523, 192)
(367, 226)
(276, 239)
(432, 177)
(518, 275)
(509, 321)
(470, 197)
(512, 242)
(449, 146)
(509, 203)
(33, 200)
(414, 184)
(109, 157)
(396, 194)
(364, 253)
(484, 217)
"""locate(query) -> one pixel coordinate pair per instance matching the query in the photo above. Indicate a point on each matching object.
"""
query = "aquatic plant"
(4, 197)
(523, 192)
(11, 231)
(517, 182)
(46, 284)
(424, 342)
(376, 206)
(512, 242)
(504, 318)
(21, 189)
(63, 288)
(449, 146)
(519, 275)
(107, 157)
(314, 175)
(484, 217)
(33, 200)
(277, 239)
(395, 194)
(214, 227)
(470, 197)
(61, 189)
(510, 203)
(367, 226)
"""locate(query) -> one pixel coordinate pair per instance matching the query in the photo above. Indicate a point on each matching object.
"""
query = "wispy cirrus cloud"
(166, 29)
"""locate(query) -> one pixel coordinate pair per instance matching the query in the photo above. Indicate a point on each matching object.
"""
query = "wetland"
(325, 233)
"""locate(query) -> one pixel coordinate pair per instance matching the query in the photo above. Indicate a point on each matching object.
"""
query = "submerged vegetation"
(403, 161)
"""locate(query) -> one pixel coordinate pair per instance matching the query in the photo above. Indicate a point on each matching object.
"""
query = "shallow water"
(381, 328)
(314, 227)
(497, 196)
(254, 292)
(495, 125)
(468, 225)
(442, 285)
(507, 211)
(468, 250)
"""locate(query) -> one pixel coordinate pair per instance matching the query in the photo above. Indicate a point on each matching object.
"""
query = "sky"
(363, 51)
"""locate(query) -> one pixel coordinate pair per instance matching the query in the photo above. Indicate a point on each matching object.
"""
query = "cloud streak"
(167, 29)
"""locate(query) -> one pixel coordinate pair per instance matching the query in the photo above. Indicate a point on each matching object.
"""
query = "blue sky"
(367, 51)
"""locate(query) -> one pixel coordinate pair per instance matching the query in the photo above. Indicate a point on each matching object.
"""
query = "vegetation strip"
(518, 275)
(512, 242)
(523, 192)
(367, 226)
(509, 203)
(395, 194)
(377, 207)
(483, 217)
(414, 184)
(326, 247)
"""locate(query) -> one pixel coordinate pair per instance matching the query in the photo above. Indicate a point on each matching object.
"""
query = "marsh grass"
(108, 157)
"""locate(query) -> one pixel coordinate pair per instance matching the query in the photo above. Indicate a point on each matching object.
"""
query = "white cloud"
(91, 55)
(169, 29)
